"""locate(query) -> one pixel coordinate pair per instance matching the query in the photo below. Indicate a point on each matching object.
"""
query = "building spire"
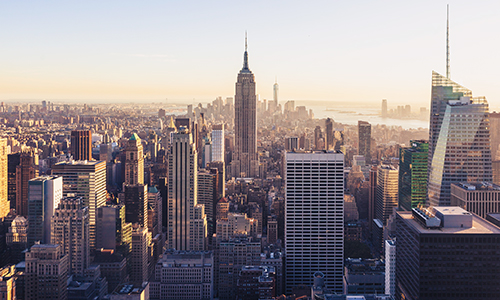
(448, 41)
(245, 57)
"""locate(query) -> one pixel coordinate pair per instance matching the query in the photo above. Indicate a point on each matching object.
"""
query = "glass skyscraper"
(459, 146)
(413, 174)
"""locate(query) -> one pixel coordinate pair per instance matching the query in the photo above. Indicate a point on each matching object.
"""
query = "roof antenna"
(448, 41)
(246, 41)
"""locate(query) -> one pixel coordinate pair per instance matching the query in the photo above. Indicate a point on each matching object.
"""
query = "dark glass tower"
(364, 137)
(413, 174)
(246, 160)
(81, 144)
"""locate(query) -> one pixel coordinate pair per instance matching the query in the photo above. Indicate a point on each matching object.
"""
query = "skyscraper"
(25, 171)
(134, 161)
(384, 108)
(4, 199)
(329, 134)
(206, 190)
(246, 160)
(46, 275)
(364, 140)
(413, 174)
(70, 229)
(183, 192)
(314, 218)
(138, 263)
(387, 192)
(459, 145)
(85, 179)
(112, 230)
(81, 144)
(136, 204)
(44, 195)
(218, 138)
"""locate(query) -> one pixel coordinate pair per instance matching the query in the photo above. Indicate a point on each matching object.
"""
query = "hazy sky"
(181, 50)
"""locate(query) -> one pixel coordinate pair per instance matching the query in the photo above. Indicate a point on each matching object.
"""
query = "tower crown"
(245, 68)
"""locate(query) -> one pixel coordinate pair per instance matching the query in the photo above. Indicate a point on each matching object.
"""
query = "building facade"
(314, 213)
(387, 192)
(4, 198)
(81, 144)
(364, 140)
(413, 174)
(480, 198)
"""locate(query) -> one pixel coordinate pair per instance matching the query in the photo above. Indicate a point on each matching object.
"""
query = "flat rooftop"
(79, 162)
(477, 186)
(479, 225)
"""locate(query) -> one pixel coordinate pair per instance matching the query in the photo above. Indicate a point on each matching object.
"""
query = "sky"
(342, 51)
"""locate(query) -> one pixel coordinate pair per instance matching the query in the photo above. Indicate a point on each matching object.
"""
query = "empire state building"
(245, 161)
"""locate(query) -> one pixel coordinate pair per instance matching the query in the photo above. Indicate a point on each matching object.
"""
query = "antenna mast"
(448, 41)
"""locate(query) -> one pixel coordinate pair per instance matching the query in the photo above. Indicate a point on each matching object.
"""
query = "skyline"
(152, 52)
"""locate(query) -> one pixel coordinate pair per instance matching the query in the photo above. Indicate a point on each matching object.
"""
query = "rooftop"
(482, 186)
(479, 225)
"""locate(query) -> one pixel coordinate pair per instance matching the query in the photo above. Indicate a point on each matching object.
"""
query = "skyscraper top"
(134, 137)
(245, 68)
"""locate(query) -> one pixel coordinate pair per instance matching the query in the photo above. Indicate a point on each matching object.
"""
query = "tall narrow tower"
(246, 161)
(81, 144)
(134, 161)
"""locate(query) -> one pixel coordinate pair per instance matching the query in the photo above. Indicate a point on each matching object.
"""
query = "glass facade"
(413, 174)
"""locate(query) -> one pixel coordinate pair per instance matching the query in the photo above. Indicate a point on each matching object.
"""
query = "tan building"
(25, 171)
(236, 224)
(480, 198)
(46, 274)
(4, 200)
(134, 161)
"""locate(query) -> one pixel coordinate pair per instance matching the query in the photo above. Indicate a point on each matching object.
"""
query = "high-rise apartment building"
(81, 144)
(364, 140)
(70, 229)
(183, 193)
(387, 192)
(4, 199)
(85, 179)
(46, 273)
(459, 145)
(314, 213)
(446, 253)
(218, 145)
(44, 195)
(413, 174)
(134, 161)
(184, 275)
(245, 160)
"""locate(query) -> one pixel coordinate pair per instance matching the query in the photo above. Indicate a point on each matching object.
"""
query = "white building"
(314, 218)
(218, 142)
(390, 267)
(183, 275)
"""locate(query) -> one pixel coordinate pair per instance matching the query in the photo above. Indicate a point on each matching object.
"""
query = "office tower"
(454, 113)
(364, 276)
(317, 137)
(113, 232)
(81, 144)
(446, 253)
(4, 199)
(44, 195)
(113, 267)
(314, 225)
(480, 198)
(218, 168)
(70, 229)
(218, 147)
(387, 192)
(390, 267)
(25, 171)
(413, 174)
(155, 208)
(206, 151)
(275, 92)
(291, 143)
(245, 161)
(163, 186)
(13, 160)
(232, 256)
(256, 282)
(206, 190)
(184, 275)
(136, 204)
(330, 144)
(364, 140)
(384, 108)
(272, 229)
(182, 192)
(134, 161)
(372, 195)
(46, 272)
(85, 179)
(138, 261)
